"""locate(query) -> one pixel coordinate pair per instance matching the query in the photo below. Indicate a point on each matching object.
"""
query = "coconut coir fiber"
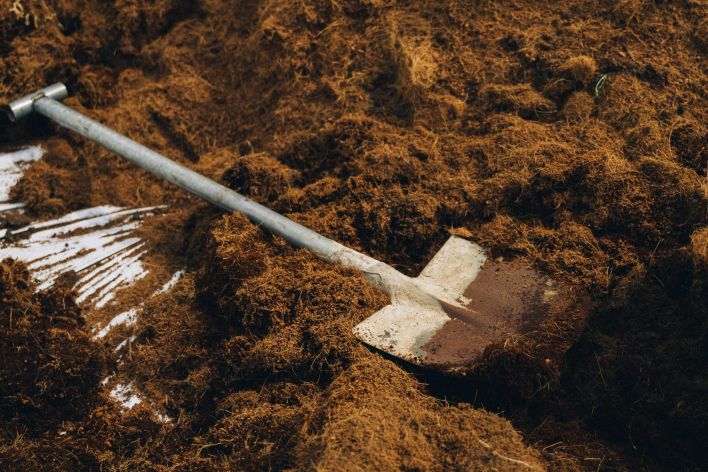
(567, 135)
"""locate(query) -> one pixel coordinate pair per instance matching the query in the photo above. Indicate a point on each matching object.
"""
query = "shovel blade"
(473, 303)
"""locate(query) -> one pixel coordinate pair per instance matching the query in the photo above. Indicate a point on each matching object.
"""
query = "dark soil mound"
(50, 370)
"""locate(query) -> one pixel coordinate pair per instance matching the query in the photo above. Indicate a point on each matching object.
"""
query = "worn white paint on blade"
(415, 315)
(12, 166)
(453, 268)
(402, 329)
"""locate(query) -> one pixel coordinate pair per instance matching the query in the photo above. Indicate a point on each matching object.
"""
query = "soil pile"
(51, 370)
(569, 136)
(48, 359)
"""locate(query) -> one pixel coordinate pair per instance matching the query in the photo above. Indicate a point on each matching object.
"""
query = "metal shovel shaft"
(298, 235)
(183, 177)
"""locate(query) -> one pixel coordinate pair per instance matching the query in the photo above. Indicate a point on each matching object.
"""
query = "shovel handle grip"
(24, 106)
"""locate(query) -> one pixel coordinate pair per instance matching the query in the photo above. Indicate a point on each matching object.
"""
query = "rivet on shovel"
(459, 305)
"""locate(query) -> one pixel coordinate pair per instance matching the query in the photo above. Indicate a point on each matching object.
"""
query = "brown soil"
(568, 135)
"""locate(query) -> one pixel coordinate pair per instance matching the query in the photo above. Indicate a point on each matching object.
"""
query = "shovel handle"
(45, 102)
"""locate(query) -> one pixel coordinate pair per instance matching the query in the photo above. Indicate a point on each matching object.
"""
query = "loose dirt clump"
(52, 186)
(50, 372)
(50, 369)
(569, 136)
(699, 245)
(361, 421)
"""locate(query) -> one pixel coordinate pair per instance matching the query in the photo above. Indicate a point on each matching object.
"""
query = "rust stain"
(505, 299)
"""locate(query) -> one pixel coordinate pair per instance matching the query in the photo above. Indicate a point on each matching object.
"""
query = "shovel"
(445, 318)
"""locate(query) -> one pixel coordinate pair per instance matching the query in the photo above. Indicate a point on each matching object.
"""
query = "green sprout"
(599, 84)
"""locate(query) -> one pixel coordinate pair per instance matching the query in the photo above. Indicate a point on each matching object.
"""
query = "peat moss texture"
(569, 135)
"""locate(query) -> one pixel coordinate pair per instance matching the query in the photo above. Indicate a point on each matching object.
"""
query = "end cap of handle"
(18, 109)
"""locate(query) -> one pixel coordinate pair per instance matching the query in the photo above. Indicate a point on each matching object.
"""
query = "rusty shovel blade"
(459, 305)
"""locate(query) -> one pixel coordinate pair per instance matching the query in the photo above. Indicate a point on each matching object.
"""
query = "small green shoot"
(599, 84)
